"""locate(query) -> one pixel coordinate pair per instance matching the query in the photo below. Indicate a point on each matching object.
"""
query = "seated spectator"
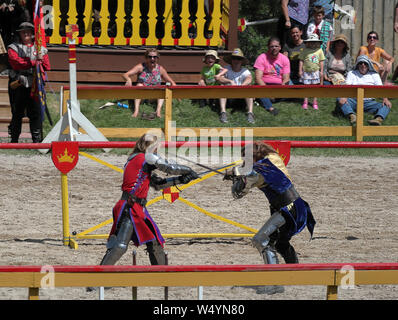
(292, 50)
(272, 68)
(294, 12)
(149, 73)
(212, 73)
(338, 61)
(365, 74)
(395, 75)
(321, 27)
(376, 54)
(237, 75)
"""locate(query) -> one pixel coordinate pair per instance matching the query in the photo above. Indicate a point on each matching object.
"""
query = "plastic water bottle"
(122, 105)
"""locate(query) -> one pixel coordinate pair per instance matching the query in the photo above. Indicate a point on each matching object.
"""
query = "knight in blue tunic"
(290, 214)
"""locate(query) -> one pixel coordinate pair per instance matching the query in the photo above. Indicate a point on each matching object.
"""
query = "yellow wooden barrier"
(196, 92)
(156, 13)
(330, 275)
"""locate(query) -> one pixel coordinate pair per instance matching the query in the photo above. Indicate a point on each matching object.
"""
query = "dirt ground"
(354, 201)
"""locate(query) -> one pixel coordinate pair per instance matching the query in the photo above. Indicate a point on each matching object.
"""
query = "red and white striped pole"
(72, 31)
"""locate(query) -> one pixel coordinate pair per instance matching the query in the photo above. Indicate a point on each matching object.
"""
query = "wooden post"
(33, 294)
(166, 289)
(360, 106)
(134, 289)
(331, 293)
(233, 24)
(65, 209)
(168, 113)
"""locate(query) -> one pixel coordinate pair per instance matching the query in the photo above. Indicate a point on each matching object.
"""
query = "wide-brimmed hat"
(236, 53)
(211, 53)
(25, 26)
(342, 37)
(313, 37)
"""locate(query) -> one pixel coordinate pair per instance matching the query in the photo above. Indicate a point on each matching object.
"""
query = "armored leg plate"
(156, 253)
(117, 244)
(262, 238)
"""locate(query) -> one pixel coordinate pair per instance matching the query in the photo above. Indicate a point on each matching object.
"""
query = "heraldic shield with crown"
(65, 155)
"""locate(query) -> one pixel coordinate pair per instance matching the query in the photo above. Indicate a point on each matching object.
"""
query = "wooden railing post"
(33, 294)
(360, 111)
(168, 112)
(331, 293)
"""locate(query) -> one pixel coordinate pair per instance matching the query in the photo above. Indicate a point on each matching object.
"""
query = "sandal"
(148, 116)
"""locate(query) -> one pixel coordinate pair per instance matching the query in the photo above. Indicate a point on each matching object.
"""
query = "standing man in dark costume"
(289, 212)
(23, 57)
(131, 220)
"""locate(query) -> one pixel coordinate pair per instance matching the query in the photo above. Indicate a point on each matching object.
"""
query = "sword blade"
(202, 165)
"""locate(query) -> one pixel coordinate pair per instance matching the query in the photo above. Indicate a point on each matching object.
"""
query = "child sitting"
(212, 73)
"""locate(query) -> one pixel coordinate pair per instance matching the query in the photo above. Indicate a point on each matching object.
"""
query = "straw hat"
(236, 53)
(25, 26)
(211, 53)
(343, 38)
(313, 37)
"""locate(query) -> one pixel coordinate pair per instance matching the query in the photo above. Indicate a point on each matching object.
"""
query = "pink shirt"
(273, 69)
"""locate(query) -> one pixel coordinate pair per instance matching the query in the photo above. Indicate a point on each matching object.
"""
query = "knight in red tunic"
(131, 220)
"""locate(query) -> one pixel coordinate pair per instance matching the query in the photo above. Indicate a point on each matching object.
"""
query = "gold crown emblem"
(66, 157)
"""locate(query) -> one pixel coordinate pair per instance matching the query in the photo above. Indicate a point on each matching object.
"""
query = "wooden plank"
(119, 60)
(114, 77)
(356, 35)
(258, 132)
(367, 20)
(122, 93)
(198, 278)
(16, 279)
(380, 131)
(388, 28)
(368, 277)
(378, 25)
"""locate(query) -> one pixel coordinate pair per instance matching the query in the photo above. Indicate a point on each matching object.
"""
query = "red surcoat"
(136, 178)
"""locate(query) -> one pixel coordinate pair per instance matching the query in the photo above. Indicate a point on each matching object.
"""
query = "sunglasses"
(152, 57)
(362, 63)
(372, 37)
(236, 58)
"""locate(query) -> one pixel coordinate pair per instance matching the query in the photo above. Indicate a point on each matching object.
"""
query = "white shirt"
(312, 27)
(238, 77)
(355, 78)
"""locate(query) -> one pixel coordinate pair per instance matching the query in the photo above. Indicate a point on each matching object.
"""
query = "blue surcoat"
(276, 184)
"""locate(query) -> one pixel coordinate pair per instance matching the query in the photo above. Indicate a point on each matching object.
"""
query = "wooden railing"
(197, 92)
(330, 275)
(141, 22)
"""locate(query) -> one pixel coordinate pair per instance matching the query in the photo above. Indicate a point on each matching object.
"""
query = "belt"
(286, 198)
(127, 196)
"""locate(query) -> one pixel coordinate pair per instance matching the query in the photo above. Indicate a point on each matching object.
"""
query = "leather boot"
(376, 121)
(37, 136)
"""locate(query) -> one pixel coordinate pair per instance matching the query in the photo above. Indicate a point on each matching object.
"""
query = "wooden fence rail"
(197, 92)
(330, 275)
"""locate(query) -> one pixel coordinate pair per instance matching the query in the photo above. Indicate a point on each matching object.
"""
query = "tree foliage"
(253, 41)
